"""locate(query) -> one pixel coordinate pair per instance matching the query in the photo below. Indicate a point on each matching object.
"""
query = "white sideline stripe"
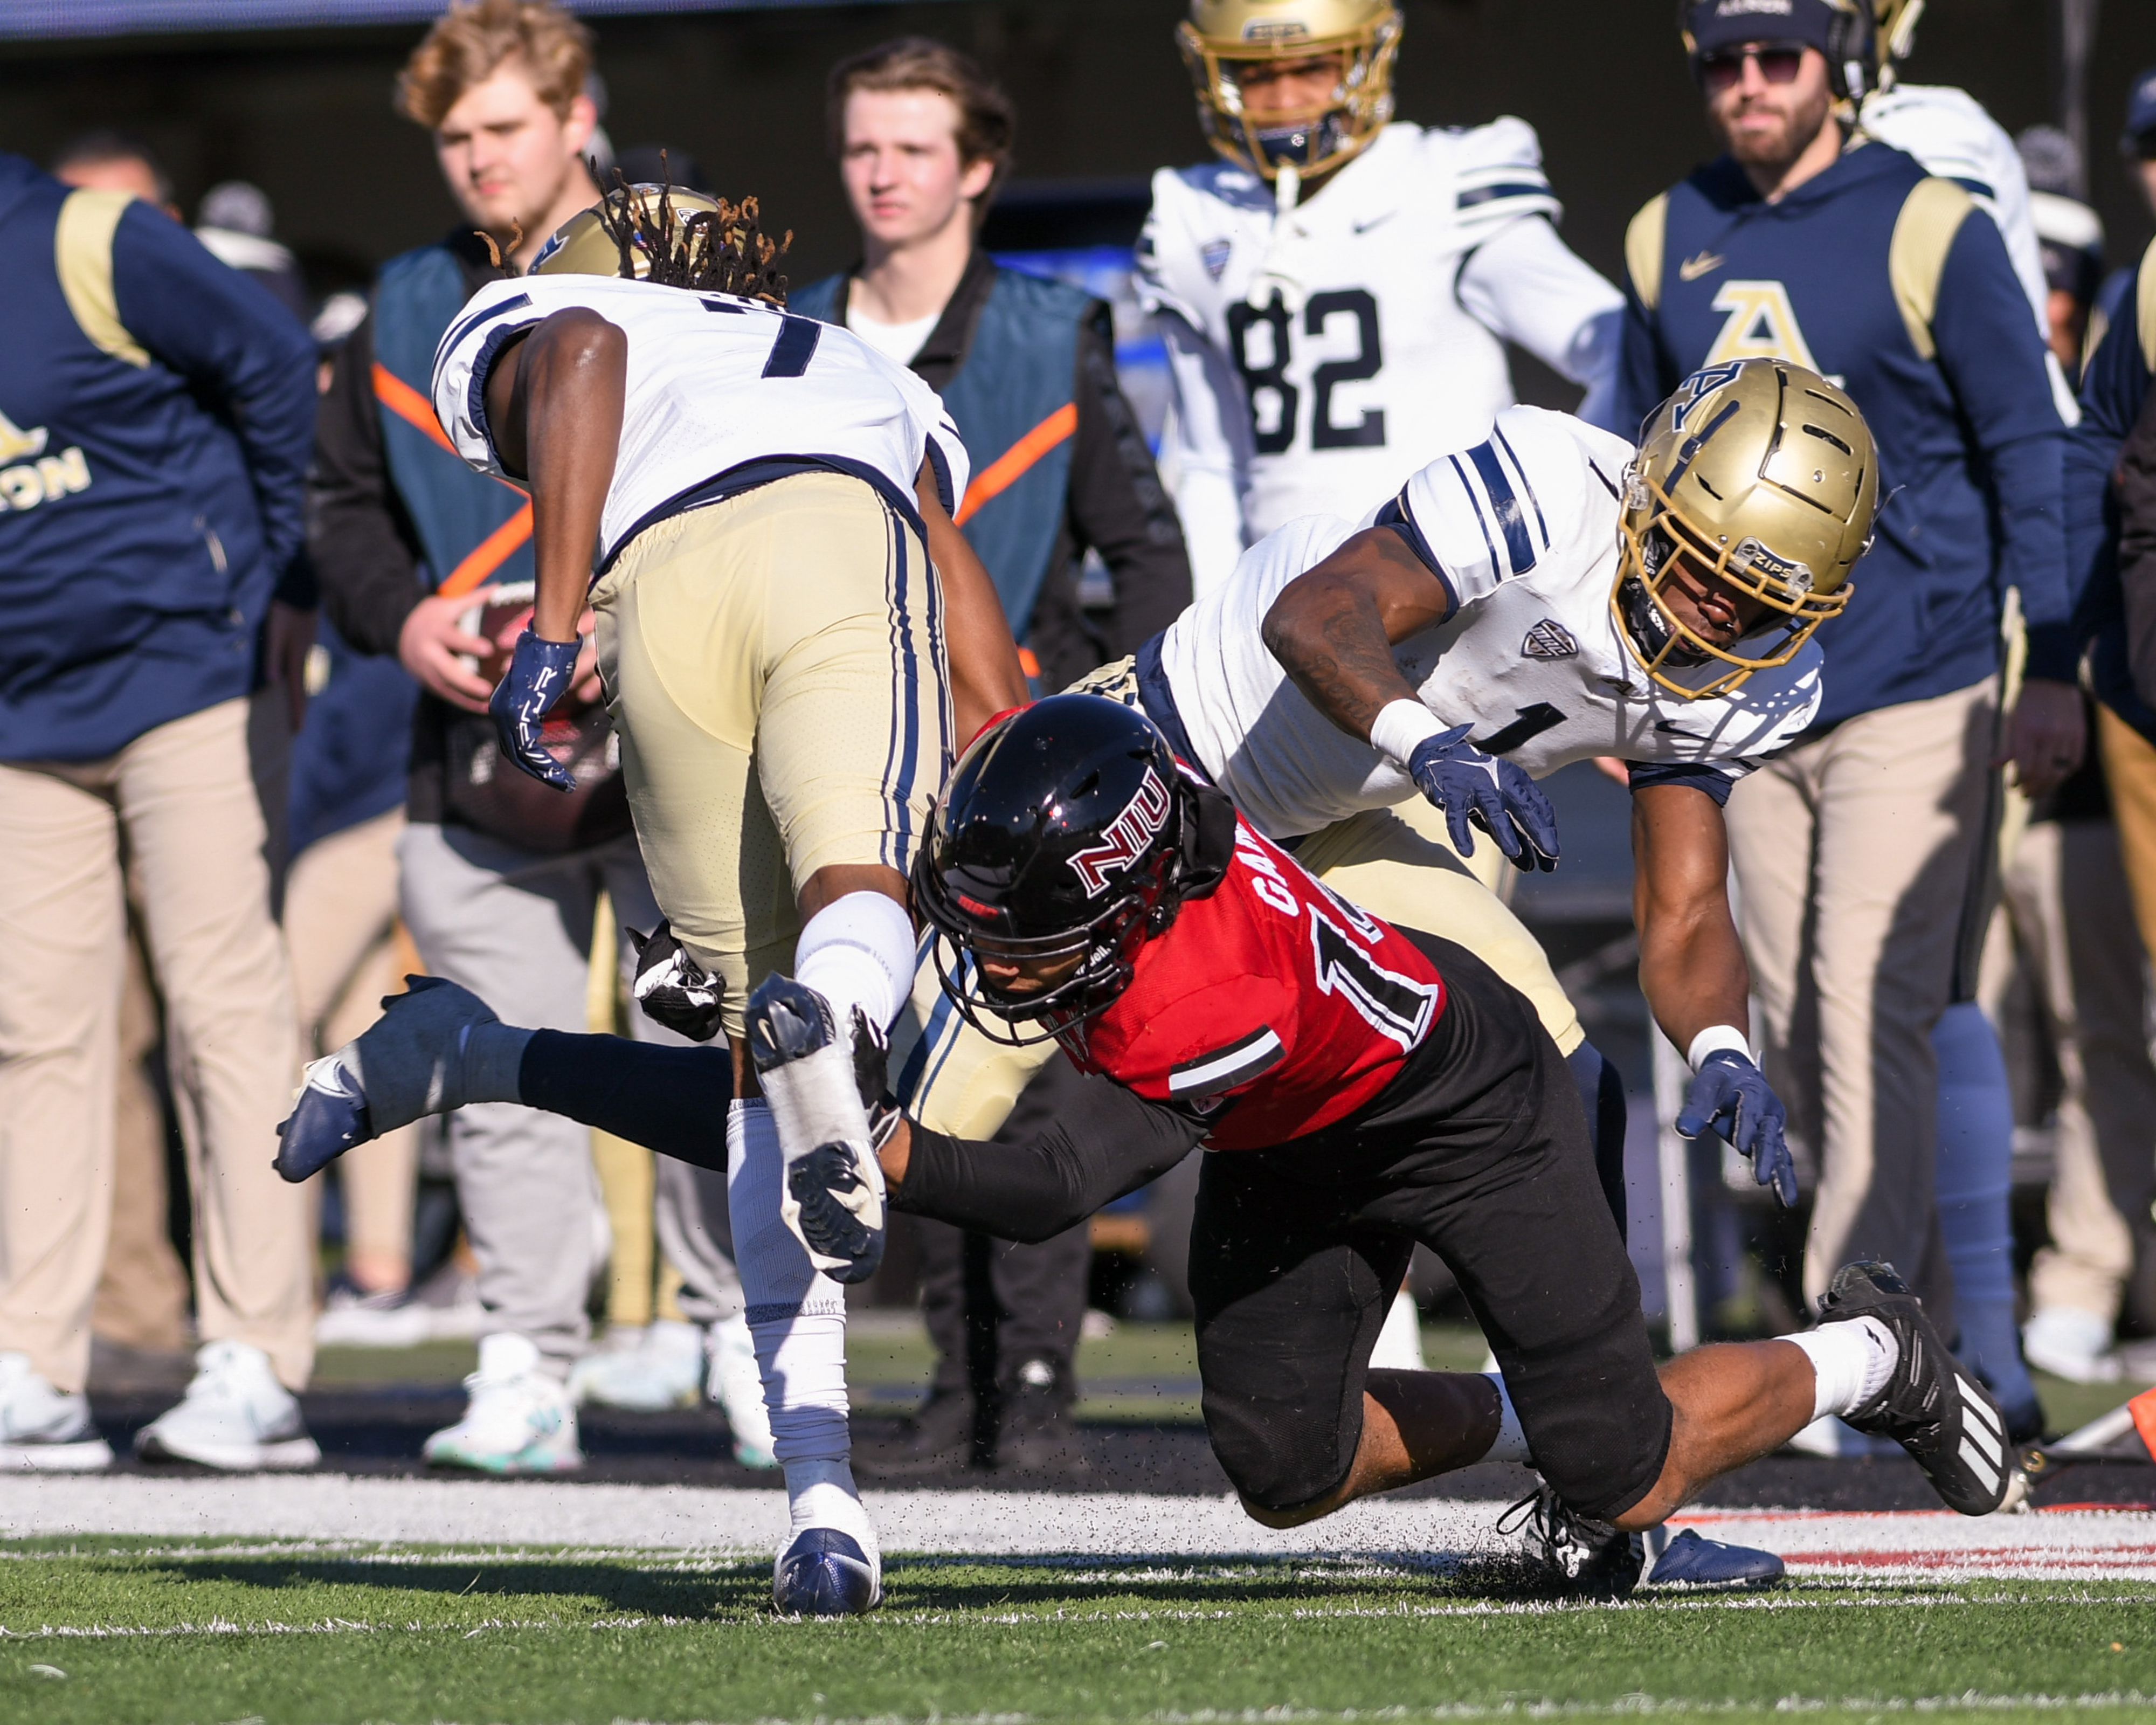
(1935, 1545)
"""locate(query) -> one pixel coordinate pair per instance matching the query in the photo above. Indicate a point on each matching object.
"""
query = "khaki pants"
(142, 1289)
(1855, 855)
(2091, 984)
(340, 920)
(1397, 863)
(2129, 770)
(776, 670)
(181, 797)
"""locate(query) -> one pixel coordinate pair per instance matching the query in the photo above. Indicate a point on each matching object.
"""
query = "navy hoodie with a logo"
(156, 411)
(1895, 285)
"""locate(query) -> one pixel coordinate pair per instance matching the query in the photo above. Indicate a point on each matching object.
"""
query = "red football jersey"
(1270, 1003)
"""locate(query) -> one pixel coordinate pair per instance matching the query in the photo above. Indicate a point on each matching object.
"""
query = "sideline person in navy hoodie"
(1860, 850)
(156, 413)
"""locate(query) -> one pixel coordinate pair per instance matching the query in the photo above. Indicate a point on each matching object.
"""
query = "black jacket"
(365, 548)
(1115, 506)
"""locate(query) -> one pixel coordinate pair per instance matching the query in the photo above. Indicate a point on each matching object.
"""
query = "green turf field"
(122, 1630)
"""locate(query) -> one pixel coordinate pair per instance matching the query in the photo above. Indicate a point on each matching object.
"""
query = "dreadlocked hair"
(718, 251)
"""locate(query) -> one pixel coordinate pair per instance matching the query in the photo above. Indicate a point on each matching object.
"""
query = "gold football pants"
(776, 670)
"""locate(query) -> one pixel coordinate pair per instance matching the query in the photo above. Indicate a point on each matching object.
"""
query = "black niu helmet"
(1064, 830)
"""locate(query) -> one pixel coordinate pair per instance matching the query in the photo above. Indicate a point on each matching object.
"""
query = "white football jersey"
(1951, 134)
(1376, 340)
(1522, 529)
(714, 382)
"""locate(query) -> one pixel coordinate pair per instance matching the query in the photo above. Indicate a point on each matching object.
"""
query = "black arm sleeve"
(365, 550)
(671, 1100)
(1118, 505)
(1114, 1144)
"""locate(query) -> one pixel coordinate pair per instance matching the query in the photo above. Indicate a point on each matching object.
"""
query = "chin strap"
(1267, 280)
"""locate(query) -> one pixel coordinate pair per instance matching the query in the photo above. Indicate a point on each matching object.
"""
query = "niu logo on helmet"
(1126, 838)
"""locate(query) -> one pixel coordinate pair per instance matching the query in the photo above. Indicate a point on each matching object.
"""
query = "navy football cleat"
(825, 1573)
(1690, 1561)
(330, 1117)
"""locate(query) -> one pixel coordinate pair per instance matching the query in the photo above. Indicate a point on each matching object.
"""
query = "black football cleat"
(1585, 1559)
(1931, 1405)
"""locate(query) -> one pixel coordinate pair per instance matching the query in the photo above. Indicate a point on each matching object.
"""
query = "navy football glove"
(1489, 792)
(1731, 1097)
(674, 989)
(538, 676)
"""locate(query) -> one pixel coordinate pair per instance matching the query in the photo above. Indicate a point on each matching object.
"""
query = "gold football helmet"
(1758, 477)
(1223, 39)
(1897, 21)
(671, 235)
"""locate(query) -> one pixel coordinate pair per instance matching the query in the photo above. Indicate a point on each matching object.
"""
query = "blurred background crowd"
(276, 793)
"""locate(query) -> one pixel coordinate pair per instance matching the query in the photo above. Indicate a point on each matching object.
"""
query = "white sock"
(1511, 1443)
(822, 1494)
(857, 950)
(797, 1319)
(1852, 1362)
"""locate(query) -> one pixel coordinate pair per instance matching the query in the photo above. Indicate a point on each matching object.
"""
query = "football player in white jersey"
(1553, 594)
(1336, 292)
(1950, 132)
(753, 500)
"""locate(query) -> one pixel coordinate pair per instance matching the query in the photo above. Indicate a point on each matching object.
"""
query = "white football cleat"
(832, 1200)
(519, 1421)
(235, 1415)
(44, 1430)
(737, 1384)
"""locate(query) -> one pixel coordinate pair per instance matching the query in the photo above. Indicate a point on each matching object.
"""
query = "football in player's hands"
(1730, 1096)
(1488, 792)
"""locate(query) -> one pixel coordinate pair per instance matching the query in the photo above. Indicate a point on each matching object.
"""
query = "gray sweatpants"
(516, 928)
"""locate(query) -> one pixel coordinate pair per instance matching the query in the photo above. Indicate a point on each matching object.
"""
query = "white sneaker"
(736, 1385)
(1400, 1343)
(2073, 1344)
(235, 1415)
(352, 1319)
(661, 1366)
(519, 1420)
(44, 1430)
(1831, 1437)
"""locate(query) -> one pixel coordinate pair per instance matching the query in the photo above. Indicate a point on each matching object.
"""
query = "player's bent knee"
(1281, 1467)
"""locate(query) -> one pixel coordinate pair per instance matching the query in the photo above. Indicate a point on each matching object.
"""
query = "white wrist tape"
(1713, 1040)
(1401, 728)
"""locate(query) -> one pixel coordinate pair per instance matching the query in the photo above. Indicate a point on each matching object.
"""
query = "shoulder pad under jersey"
(1537, 495)
(1497, 176)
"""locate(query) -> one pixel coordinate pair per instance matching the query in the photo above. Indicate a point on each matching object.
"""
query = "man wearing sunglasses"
(1857, 850)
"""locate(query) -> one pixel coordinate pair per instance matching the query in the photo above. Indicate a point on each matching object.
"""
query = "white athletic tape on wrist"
(1401, 728)
(1713, 1040)
(1852, 1362)
(859, 951)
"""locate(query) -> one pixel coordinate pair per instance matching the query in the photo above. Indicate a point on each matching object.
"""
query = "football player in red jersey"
(1366, 1088)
